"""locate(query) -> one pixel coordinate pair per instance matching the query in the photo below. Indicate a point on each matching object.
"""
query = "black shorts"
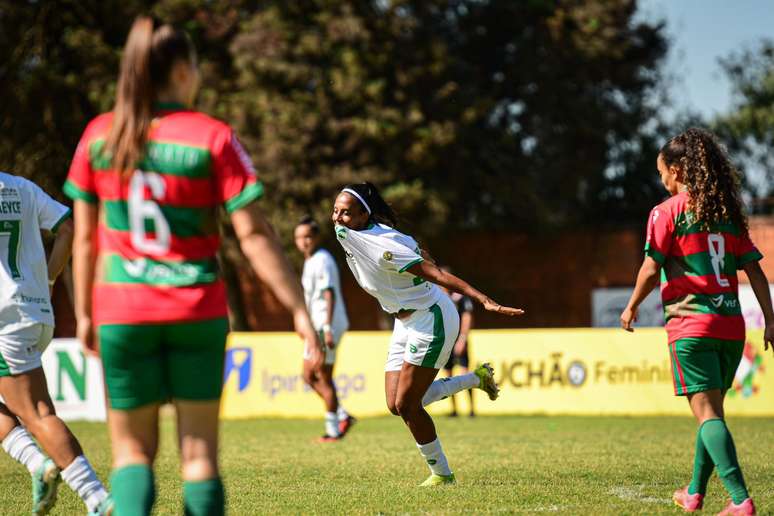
(460, 360)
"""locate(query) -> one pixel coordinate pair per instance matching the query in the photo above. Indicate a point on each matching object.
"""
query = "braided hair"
(381, 212)
(712, 180)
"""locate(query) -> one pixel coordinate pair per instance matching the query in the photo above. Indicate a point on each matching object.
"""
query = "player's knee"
(407, 409)
(308, 376)
(199, 468)
(392, 407)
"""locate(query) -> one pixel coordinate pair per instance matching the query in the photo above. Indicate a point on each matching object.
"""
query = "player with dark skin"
(404, 389)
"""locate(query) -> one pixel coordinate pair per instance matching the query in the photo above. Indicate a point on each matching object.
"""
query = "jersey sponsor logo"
(10, 207)
(387, 256)
(717, 301)
(6, 192)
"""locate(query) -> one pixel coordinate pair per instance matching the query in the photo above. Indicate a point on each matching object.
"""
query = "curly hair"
(713, 182)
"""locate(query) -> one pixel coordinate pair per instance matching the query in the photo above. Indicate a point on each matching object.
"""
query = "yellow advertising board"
(556, 371)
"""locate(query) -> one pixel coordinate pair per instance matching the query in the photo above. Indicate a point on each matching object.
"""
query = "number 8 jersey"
(158, 233)
(698, 271)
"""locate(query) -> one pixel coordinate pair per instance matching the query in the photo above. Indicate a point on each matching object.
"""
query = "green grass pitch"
(526, 465)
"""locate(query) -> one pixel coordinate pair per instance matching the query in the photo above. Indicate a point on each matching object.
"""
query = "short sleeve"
(467, 304)
(236, 184)
(80, 178)
(50, 213)
(747, 251)
(660, 234)
(323, 275)
(398, 257)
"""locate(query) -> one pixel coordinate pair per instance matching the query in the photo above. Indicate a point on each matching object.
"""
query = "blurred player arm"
(61, 250)
(432, 273)
(466, 323)
(330, 302)
(84, 264)
(647, 279)
(262, 249)
(760, 286)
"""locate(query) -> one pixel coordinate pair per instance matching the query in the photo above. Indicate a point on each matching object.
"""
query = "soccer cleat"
(105, 507)
(438, 480)
(346, 424)
(329, 438)
(487, 383)
(746, 508)
(44, 484)
(689, 502)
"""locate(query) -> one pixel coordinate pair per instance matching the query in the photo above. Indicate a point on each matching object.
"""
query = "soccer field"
(570, 465)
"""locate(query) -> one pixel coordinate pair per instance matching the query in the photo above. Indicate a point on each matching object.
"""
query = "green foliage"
(471, 114)
(748, 129)
(522, 465)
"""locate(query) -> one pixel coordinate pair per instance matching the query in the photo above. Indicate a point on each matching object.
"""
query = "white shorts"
(21, 350)
(330, 354)
(424, 338)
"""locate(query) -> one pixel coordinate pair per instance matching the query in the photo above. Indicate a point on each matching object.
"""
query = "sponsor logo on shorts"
(412, 348)
(387, 256)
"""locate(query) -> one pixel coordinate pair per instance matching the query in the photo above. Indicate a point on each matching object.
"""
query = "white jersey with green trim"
(25, 209)
(379, 257)
(321, 274)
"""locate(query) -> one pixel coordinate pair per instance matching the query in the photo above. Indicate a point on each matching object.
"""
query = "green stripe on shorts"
(439, 336)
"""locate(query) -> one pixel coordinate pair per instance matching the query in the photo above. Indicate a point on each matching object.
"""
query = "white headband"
(357, 196)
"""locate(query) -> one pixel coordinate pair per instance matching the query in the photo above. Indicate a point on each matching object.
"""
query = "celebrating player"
(26, 328)
(390, 266)
(322, 290)
(147, 180)
(459, 355)
(698, 239)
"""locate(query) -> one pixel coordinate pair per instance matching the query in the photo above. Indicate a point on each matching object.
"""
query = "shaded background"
(516, 139)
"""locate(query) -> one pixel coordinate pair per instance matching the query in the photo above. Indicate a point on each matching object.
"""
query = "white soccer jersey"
(379, 257)
(25, 209)
(320, 274)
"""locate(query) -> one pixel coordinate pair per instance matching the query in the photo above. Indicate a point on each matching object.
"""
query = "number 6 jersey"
(25, 209)
(698, 271)
(158, 233)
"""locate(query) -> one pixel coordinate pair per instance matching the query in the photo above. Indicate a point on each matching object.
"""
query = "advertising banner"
(574, 371)
(74, 381)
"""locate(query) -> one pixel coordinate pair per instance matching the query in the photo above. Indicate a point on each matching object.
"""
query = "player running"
(26, 328)
(147, 180)
(697, 240)
(322, 291)
(390, 266)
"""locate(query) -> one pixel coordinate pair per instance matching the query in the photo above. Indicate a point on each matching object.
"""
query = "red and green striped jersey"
(698, 271)
(158, 233)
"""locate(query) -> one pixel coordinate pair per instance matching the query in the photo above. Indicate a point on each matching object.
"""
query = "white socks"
(332, 424)
(82, 479)
(435, 458)
(343, 414)
(445, 387)
(20, 446)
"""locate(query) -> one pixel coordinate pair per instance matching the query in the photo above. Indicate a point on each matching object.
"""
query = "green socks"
(720, 447)
(204, 498)
(702, 467)
(133, 490)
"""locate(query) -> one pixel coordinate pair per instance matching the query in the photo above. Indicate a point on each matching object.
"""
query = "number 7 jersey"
(158, 233)
(699, 285)
(25, 209)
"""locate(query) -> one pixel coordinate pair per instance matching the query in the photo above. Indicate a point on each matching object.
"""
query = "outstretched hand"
(500, 309)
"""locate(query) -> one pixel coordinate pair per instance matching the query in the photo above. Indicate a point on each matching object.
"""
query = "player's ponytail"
(149, 54)
(375, 204)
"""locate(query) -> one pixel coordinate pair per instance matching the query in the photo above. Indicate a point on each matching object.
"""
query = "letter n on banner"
(66, 367)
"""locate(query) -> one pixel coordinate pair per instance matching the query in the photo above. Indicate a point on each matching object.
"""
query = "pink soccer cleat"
(689, 502)
(346, 424)
(746, 508)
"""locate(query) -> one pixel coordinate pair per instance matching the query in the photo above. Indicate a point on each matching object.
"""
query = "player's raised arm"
(431, 272)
